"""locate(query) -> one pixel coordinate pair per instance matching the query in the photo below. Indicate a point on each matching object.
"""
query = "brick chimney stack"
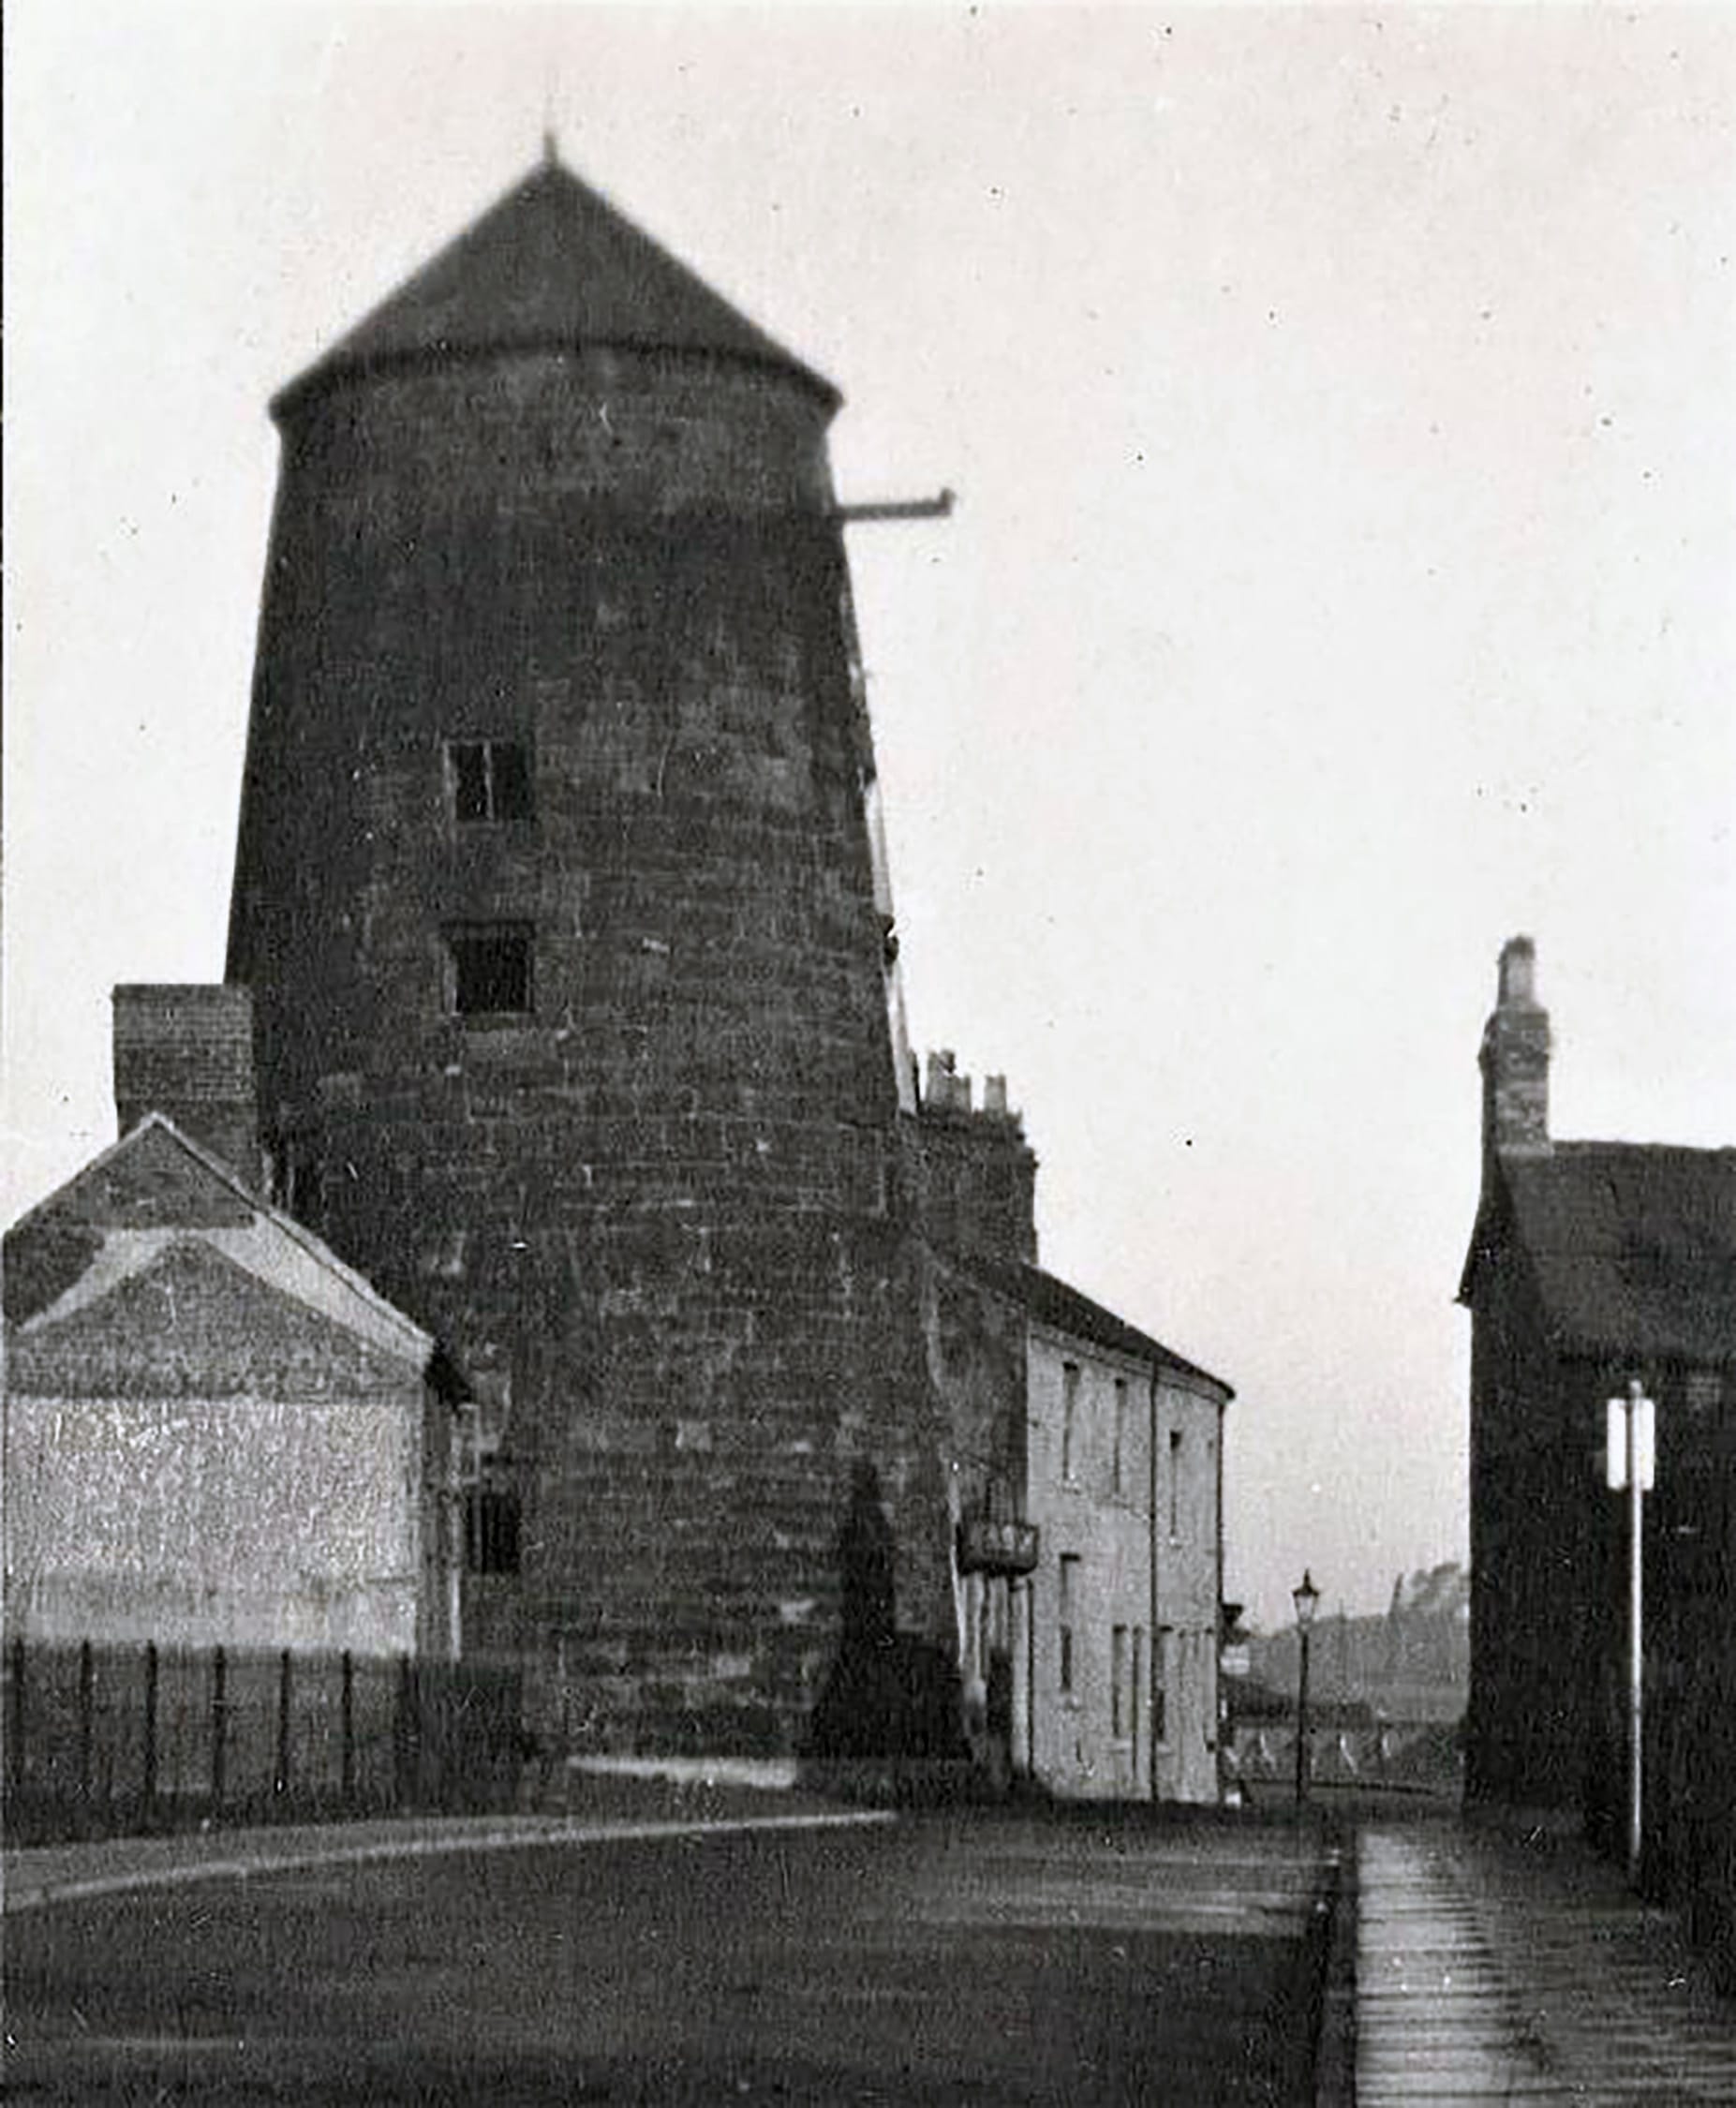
(186, 1051)
(1515, 1061)
(973, 1174)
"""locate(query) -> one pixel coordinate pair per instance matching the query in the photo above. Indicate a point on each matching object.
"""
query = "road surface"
(991, 1958)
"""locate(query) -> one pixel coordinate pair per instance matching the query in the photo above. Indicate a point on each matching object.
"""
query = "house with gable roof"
(216, 1432)
(1592, 1263)
(1114, 1634)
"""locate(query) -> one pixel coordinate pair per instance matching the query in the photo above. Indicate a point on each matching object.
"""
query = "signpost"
(1630, 1465)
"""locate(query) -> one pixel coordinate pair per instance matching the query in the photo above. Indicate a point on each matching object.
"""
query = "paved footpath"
(1489, 1967)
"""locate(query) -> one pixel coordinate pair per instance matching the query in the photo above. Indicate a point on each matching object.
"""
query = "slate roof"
(552, 266)
(1052, 1302)
(180, 1315)
(1633, 1246)
(94, 1234)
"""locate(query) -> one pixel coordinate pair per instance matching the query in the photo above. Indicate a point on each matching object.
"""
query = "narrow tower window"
(1175, 1482)
(491, 968)
(490, 779)
(491, 1526)
(491, 1514)
(1120, 1431)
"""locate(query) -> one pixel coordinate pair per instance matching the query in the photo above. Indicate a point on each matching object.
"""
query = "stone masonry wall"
(975, 1179)
(1533, 1729)
(661, 1210)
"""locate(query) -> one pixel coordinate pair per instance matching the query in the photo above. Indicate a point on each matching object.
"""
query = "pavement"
(1497, 1965)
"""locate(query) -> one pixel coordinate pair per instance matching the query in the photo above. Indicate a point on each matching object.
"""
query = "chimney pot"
(1516, 985)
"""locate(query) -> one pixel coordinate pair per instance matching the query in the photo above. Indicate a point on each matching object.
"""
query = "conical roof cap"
(552, 266)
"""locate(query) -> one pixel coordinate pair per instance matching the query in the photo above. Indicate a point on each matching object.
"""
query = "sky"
(1342, 405)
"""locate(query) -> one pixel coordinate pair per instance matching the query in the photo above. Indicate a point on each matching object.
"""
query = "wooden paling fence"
(101, 1740)
(1418, 1757)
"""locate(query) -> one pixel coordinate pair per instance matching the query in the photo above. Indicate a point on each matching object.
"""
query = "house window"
(1118, 1678)
(1069, 1414)
(1135, 1678)
(491, 968)
(1121, 1433)
(490, 779)
(1069, 1591)
(1175, 1482)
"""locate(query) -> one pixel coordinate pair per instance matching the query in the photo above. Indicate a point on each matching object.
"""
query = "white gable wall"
(202, 1522)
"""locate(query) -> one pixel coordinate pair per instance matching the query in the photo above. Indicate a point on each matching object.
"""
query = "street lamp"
(1629, 1467)
(1306, 1597)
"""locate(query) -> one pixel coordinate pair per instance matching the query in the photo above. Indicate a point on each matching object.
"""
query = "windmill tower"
(558, 895)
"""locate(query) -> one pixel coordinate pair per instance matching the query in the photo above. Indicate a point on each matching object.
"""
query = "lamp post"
(1629, 1467)
(1306, 1597)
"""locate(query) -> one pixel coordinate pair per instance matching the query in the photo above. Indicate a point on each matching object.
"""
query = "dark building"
(1592, 1263)
(556, 895)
